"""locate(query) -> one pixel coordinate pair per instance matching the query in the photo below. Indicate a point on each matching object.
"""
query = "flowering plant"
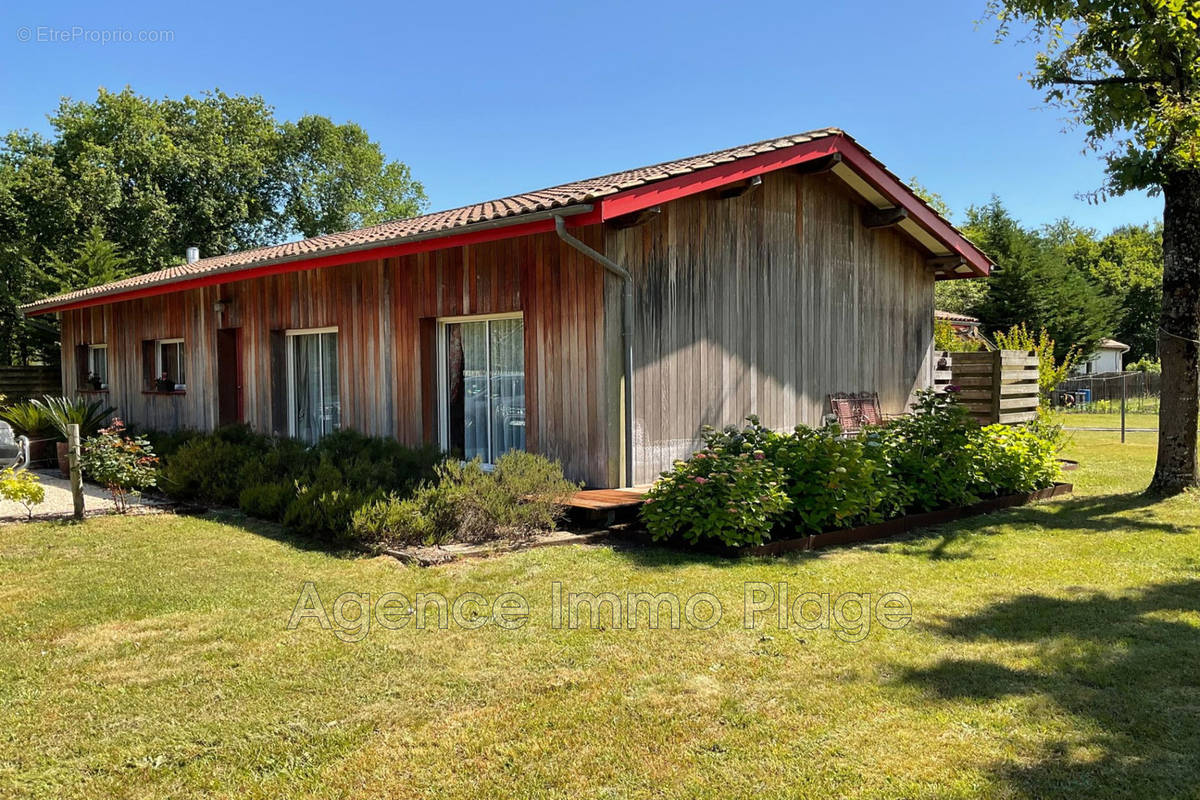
(729, 492)
(124, 465)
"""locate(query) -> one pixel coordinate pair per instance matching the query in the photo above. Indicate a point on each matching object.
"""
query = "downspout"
(560, 227)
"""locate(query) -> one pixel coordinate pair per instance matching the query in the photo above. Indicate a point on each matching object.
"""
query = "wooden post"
(76, 470)
(1124, 395)
(997, 385)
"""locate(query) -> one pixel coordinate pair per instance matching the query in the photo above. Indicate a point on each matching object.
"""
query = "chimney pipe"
(193, 255)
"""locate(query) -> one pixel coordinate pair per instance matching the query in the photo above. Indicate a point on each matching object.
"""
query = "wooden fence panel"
(25, 383)
(996, 386)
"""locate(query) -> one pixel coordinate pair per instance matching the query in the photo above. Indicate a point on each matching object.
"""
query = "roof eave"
(339, 255)
(870, 179)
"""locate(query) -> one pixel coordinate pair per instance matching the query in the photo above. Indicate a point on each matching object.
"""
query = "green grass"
(1053, 653)
(1082, 419)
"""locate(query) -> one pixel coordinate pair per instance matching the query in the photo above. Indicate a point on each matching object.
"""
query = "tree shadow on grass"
(1126, 669)
(1132, 513)
(279, 533)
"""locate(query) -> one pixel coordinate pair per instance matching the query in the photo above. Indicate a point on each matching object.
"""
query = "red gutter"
(616, 205)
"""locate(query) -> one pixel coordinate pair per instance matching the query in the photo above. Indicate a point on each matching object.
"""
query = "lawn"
(1052, 652)
(1084, 419)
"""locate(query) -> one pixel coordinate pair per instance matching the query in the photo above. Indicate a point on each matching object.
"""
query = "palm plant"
(62, 412)
(28, 419)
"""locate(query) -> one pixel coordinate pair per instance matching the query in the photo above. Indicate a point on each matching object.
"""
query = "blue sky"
(487, 99)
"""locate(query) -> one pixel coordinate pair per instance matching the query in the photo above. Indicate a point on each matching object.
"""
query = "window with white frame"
(97, 366)
(169, 365)
(482, 385)
(314, 405)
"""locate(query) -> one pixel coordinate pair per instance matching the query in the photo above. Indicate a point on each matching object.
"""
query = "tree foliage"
(1127, 72)
(155, 176)
(1034, 285)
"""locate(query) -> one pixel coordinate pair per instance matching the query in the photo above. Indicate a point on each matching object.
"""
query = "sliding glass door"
(483, 386)
(314, 407)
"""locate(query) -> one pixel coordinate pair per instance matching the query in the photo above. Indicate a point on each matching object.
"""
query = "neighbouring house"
(964, 326)
(601, 322)
(1109, 357)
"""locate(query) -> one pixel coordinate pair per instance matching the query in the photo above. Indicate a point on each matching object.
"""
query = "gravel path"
(58, 500)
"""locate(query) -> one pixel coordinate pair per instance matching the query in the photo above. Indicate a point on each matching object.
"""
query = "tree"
(1127, 266)
(216, 171)
(339, 179)
(1129, 74)
(96, 262)
(1033, 285)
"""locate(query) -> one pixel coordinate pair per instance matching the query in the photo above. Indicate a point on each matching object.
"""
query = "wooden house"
(601, 322)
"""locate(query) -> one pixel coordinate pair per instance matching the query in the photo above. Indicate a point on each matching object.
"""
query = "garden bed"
(879, 530)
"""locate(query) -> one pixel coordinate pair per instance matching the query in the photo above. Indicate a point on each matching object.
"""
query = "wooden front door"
(229, 376)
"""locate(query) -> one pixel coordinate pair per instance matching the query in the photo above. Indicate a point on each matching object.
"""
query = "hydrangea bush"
(751, 483)
(729, 491)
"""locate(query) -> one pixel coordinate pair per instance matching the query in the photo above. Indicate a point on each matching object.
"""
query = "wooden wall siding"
(378, 307)
(760, 304)
(765, 304)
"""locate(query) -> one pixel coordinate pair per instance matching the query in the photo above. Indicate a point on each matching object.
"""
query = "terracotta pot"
(64, 459)
(41, 453)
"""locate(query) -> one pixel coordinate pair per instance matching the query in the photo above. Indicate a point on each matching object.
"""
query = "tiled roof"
(950, 316)
(536, 204)
(1113, 344)
(396, 231)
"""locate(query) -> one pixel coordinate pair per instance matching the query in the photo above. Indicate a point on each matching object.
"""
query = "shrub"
(394, 520)
(209, 469)
(370, 463)
(832, 481)
(167, 443)
(1051, 373)
(23, 488)
(724, 492)
(835, 482)
(926, 453)
(948, 339)
(1145, 364)
(524, 493)
(123, 465)
(267, 500)
(323, 506)
(1014, 460)
(278, 461)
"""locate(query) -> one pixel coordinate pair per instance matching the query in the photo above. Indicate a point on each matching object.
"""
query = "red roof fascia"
(660, 192)
(890, 187)
(302, 264)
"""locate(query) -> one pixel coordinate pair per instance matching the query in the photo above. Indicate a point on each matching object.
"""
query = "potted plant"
(29, 419)
(62, 412)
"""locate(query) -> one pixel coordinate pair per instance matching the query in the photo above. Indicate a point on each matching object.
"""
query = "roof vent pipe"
(193, 255)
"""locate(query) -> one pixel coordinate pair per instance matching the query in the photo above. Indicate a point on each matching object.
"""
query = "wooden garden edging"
(880, 530)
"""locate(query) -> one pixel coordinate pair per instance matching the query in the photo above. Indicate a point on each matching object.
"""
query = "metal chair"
(14, 450)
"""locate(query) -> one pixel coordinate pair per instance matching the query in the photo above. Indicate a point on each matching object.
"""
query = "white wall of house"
(1106, 359)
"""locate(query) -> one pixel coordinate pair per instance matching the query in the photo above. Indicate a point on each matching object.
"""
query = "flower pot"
(64, 459)
(41, 453)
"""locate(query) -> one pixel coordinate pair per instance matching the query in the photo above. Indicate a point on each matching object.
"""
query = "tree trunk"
(1179, 335)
